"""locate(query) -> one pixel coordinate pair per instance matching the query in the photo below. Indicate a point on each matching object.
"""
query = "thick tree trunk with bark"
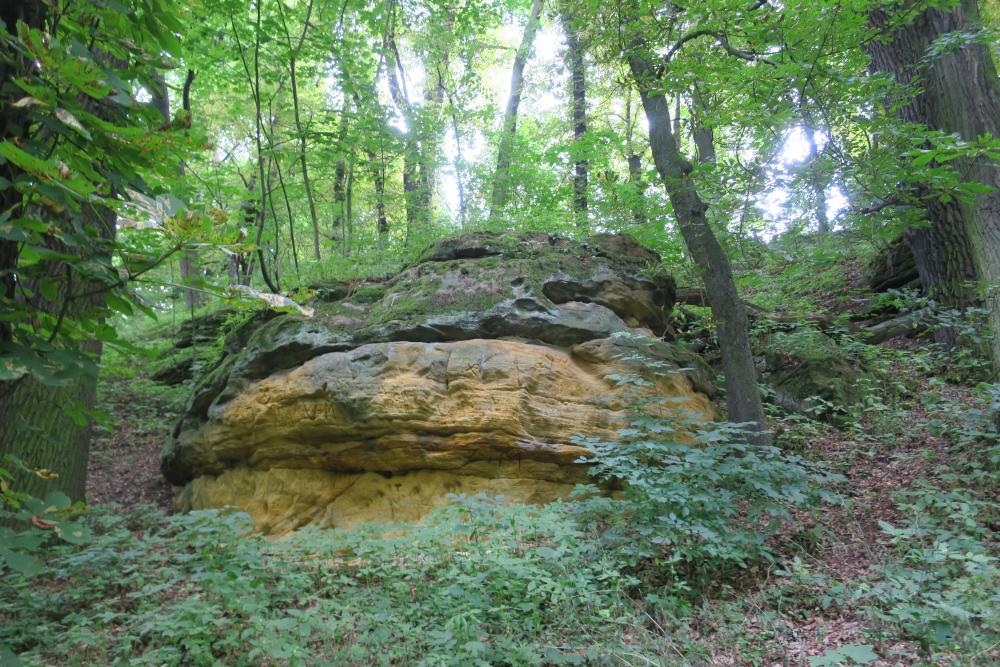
(578, 87)
(943, 256)
(48, 427)
(38, 422)
(501, 177)
(958, 94)
(38, 430)
(742, 395)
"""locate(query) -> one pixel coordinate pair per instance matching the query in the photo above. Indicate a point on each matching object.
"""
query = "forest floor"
(854, 544)
(124, 467)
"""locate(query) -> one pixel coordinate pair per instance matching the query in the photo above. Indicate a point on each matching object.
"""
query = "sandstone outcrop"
(470, 371)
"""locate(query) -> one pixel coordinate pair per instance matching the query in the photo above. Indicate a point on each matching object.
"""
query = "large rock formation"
(469, 371)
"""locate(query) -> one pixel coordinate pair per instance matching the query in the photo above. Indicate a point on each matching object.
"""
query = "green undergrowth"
(477, 584)
(592, 581)
(808, 274)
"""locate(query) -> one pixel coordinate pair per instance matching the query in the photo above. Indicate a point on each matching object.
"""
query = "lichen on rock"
(469, 371)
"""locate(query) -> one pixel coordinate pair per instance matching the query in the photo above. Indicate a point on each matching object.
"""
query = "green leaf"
(851, 654)
(68, 119)
(12, 368)
(56, 500)
(75, 532)
(20, 562)
(8, 658)
(119, 304)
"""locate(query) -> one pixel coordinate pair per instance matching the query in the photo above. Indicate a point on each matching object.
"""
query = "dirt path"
(125, 456)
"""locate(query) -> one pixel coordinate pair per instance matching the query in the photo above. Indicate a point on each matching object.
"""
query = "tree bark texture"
(37, 422)
(957, 94)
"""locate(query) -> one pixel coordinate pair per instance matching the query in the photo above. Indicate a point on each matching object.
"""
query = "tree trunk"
(458, 165)
(339, 199)
(262, 202)
(47, 427)
(349, 210)
(382, 222)
(38, 430)
(416, 216)
(253, 79)
(742, 395)
(634, 165)
(501, 177)
(943, 258)
(377, 165)
(892, 268)
(578, 77)
(702, 131)
(958, 94)
(288, 208)
(188, 257)
(293, 55)
(458, 162)
(340, 180)
(436, 69)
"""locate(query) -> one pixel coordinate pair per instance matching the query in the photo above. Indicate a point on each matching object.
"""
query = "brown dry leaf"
(39, 522)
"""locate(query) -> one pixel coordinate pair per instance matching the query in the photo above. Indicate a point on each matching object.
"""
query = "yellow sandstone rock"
(385, 431)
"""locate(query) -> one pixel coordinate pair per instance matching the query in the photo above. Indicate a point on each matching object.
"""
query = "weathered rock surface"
(809, 373)
(469, 371)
